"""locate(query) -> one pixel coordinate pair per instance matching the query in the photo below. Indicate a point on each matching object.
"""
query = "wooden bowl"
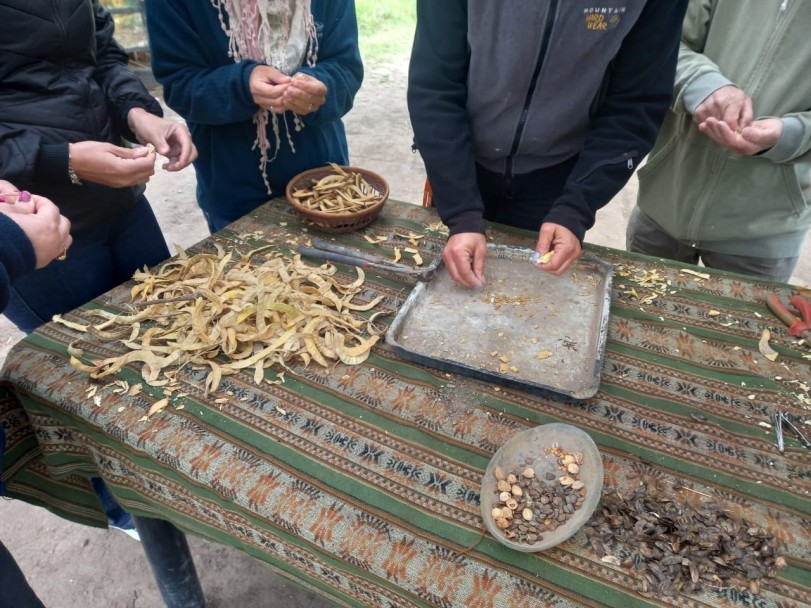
(343, 221)
(533, 444)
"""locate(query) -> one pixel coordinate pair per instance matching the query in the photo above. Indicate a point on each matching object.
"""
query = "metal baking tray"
(524, 329)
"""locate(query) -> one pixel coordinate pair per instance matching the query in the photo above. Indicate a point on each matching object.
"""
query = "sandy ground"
(73, 566)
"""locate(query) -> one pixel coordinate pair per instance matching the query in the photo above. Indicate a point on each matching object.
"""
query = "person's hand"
(170, 139)
(268, 85)
(45, 227)
(760, 135)
(109, 165)
(728, 104)
(561, 240)
(464, 255)
(305, 94)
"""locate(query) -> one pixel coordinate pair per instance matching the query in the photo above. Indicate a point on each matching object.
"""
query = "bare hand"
(45, 227)
(268, 86)
(728, 104)
(464, 255)
(305, 94)
(758, 136)
(170, 139)
(561, 240)
(109, 165)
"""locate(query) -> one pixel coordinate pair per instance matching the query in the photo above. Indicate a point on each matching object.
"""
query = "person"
(535, 116)
(68, 101)
(32, 234)
(729, 179)
(263, 91)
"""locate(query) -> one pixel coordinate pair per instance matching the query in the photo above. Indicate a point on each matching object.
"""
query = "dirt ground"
(73, 566)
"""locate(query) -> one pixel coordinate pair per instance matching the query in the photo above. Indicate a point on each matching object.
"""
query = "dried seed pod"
(578, 485)
(512, 504)
(568, 459)
(517, 491)
(503, 524)
(503, 486)
(507, 513)
(528, 473)
(499, 473)
(527, 514)
(578, 458)
(566, 481)
(573, 468)
(504, 496)
(497, 513)
(511, 478)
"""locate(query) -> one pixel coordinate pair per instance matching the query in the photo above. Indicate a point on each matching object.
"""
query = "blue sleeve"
(338, 63)
(189, 58)
(624, 128)
(16, 257)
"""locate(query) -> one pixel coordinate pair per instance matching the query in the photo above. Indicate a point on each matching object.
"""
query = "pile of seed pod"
(529, 506)
(675, 548)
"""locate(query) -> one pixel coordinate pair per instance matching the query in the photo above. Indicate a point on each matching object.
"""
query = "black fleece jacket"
(64, 79)
(517, 87)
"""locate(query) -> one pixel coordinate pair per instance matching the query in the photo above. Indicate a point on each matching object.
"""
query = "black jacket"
(64, 79)
(517, 87)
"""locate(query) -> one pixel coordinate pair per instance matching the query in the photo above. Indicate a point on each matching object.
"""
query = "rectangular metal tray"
(502, 332)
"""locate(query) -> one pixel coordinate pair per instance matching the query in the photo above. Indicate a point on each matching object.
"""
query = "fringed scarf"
(279, 33)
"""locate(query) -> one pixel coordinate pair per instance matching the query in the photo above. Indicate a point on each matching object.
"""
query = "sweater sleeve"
(338, 64)
(16, 257)
(122, 87)
(200, 92)
(624, 127)
(437, 95)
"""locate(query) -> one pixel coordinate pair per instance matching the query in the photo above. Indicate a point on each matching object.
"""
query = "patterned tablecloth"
(362, 482)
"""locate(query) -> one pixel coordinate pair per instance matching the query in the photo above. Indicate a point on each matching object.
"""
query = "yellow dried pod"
(503, 486)
(506, 513)
(503, 523)
(512, 478)
(527, 514)
(573, 468)
(568, 459)
(499, 473)
(517, 491)
(566, 481)
(529, 473)
(497, 513)
(577, 485)
(512, 504)
(504, 496)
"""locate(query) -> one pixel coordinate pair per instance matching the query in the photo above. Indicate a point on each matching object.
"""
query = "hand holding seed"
(563, 244)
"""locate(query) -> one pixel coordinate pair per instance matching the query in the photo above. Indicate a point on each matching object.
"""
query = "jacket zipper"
(626, 157)
(522, 121)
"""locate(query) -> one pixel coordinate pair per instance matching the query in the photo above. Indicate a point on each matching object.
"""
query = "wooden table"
(362, 482)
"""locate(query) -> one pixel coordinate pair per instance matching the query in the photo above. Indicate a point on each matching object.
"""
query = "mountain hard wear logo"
(602, 18)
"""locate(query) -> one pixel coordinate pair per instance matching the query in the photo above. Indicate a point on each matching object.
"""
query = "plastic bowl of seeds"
(337, 198)
(541, 487)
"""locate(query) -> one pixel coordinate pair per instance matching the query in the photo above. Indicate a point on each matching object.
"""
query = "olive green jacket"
(696, 189)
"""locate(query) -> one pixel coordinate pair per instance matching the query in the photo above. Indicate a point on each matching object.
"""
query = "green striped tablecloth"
(362, 482)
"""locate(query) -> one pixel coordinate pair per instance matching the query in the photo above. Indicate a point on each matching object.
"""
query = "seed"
(578, 485)
(568, 459)
(503, 486)
(511, 478)
(527, 514)
(506, 513)
(566, 481)
(512, 504)
(496, 513)
(528, 473)
(517, 491)
(573, 468)
(499, 473)
(504, 496)
(503, 523)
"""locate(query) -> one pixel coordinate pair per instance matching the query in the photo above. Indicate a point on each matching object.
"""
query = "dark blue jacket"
(64, 79)
(16, 257)
(517, 87)
(189, 52)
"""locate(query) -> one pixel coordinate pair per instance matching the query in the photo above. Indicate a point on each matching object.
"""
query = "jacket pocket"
(628, 158)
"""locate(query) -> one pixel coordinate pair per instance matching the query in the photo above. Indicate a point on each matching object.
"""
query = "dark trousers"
(522, 200)
(14, 589)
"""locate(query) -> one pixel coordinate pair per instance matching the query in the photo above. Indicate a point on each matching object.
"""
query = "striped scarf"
(278, 33)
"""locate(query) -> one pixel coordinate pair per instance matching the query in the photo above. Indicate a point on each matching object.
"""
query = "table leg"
(172, 565)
